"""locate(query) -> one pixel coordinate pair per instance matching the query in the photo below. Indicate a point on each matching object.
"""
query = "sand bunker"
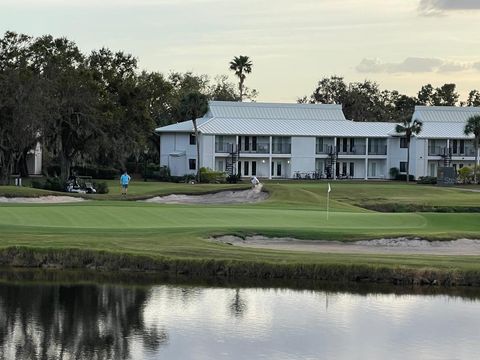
(40, 200)
(222, 197)
(379, 246)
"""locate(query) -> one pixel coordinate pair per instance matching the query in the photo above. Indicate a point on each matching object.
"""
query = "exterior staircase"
(447, 157)
(231, 161)
(331, 161)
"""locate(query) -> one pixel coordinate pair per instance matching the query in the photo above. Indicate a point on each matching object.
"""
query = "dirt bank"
(379, 246)
(50, 199)
(222, 197)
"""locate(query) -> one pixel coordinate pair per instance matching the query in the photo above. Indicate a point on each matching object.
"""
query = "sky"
(401, 44)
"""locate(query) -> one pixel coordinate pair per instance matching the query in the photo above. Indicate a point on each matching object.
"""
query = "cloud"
(438, 7)
(415, 65)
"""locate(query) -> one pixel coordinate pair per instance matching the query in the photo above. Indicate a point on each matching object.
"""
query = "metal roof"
(283, 127)
(241, 110)
(445, 114)
(436, 130)
(184, 126)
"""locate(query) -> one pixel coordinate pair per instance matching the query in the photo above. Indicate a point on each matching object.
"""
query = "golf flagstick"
(328, 199)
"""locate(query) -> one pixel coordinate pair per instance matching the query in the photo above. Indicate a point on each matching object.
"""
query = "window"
(254, 143)
(192, 164)
(462, 146)
(254, 168)
(403, 166)
(455, 146)
(247, 143)
(352, 169)
(319, 145)
(193, 139)
(246, 168)
(403, 143)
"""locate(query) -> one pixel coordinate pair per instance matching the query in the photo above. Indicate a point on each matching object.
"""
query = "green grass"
(294, 209)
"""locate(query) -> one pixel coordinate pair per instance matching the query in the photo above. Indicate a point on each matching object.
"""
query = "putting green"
(116, 217)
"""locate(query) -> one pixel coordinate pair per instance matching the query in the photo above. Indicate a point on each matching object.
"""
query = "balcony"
(468, 151)
(281, 148)
(437, 150)
(256, 148)
(378, 150)
(354, 150)
(224, 147)
(325, 149)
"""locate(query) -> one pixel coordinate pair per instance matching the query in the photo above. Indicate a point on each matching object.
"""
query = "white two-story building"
(309, 140)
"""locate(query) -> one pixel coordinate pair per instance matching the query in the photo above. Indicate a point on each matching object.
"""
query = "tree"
(242, 66)
(407, 128)
(21, 120)
(442, 96)
(73, 122)
(473, 127)
(473, 98)
(193, 106)
(21, 105)
(362, 101)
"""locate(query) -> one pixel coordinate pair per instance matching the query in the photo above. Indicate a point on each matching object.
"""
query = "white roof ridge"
(270, 104)
(446, 108)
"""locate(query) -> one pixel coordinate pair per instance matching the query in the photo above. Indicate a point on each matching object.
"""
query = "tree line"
(365, 101)
(95, 108)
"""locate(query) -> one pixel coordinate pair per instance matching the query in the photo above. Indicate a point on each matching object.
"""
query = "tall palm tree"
(409, 127)
(241, 65)
(192, 107)
(473, 127)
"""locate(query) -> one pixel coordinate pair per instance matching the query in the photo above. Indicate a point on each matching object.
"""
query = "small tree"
(409, 127)
(241, 65)
(473, 127)
(193, 106)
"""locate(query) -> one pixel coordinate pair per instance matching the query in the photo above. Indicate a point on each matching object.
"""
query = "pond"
(85, 320)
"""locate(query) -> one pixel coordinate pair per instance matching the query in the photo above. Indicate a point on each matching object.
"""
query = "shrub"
(403, 177)
(37, 184)
(427, 180)
(54, 184)
(163, 174)
(465, 175)
(101, 187)
(233, 179)
(212, 177)
(394, 173)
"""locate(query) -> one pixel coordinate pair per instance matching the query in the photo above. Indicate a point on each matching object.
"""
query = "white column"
(425, 169)
(366, 158)
(270, 158)
(238, 152)
(334, 169)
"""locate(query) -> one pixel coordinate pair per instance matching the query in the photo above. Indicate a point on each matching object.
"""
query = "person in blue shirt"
(124, 180)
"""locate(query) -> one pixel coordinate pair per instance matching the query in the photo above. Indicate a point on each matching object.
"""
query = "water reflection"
(82, 322)
(185, 321)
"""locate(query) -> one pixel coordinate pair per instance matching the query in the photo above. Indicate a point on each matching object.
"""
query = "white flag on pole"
(329, 188)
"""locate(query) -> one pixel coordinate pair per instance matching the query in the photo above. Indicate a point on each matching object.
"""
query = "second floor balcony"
(377, 150)
(352, 150)
(281, 148)
(444, 151)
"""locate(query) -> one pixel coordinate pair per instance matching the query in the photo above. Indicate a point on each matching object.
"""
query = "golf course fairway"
(112, 234)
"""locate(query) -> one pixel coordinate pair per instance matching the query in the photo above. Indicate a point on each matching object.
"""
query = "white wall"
(176, 142)
(395, 154)
(207, 151)
(303, 155)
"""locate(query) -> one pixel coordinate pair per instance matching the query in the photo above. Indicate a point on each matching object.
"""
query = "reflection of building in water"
(74, 322)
